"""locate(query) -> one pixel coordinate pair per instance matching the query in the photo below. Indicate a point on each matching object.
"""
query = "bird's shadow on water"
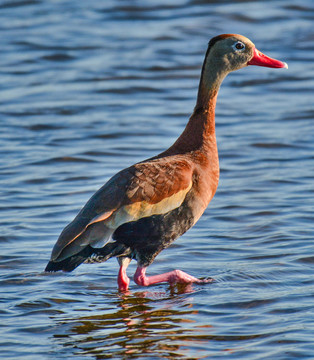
(130, 324)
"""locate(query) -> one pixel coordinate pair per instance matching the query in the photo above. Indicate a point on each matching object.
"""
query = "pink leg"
(123, 280)
(175, 276)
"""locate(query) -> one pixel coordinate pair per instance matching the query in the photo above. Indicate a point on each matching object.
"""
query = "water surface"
(88, 88)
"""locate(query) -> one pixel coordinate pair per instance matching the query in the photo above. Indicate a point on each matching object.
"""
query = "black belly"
(148, 236)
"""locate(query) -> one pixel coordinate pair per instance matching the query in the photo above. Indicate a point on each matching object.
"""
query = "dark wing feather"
(102, 204)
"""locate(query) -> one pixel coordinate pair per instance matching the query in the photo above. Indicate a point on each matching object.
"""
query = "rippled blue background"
(90, 87)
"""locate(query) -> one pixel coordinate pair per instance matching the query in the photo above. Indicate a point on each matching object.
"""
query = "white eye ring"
(238, 46)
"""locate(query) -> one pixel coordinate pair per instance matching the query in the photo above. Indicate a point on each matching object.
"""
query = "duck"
(142, 209)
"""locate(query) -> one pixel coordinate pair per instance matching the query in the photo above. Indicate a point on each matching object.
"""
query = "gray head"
(230, 52)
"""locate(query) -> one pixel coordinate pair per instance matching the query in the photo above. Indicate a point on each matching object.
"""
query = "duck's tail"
(89, 255)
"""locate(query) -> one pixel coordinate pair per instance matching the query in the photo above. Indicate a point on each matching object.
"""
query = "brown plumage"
(144, 208)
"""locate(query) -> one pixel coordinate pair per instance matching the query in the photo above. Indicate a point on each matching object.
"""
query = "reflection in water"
(148, 324)
(140, 323)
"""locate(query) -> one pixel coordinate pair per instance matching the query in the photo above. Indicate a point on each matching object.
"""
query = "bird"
(145, 207)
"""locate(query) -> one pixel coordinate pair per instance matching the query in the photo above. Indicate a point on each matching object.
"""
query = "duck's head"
(226, 53)
(232, 52)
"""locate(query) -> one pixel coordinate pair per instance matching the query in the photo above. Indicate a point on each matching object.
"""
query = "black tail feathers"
(91, 255)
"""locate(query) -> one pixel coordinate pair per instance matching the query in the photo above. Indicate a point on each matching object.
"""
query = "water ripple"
(91, 87)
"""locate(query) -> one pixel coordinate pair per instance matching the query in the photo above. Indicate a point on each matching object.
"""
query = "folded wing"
(142, 190)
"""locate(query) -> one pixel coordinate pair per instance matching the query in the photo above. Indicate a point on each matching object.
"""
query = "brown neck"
(199, 133)
(201, 127)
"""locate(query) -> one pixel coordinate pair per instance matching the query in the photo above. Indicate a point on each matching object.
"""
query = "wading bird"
(145, 207)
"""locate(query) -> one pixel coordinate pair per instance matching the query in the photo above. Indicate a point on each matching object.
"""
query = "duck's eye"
(239, 46)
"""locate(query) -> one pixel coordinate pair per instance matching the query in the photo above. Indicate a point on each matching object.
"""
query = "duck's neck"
(199, 133)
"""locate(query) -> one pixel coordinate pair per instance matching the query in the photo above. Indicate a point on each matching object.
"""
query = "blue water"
(90, 87)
